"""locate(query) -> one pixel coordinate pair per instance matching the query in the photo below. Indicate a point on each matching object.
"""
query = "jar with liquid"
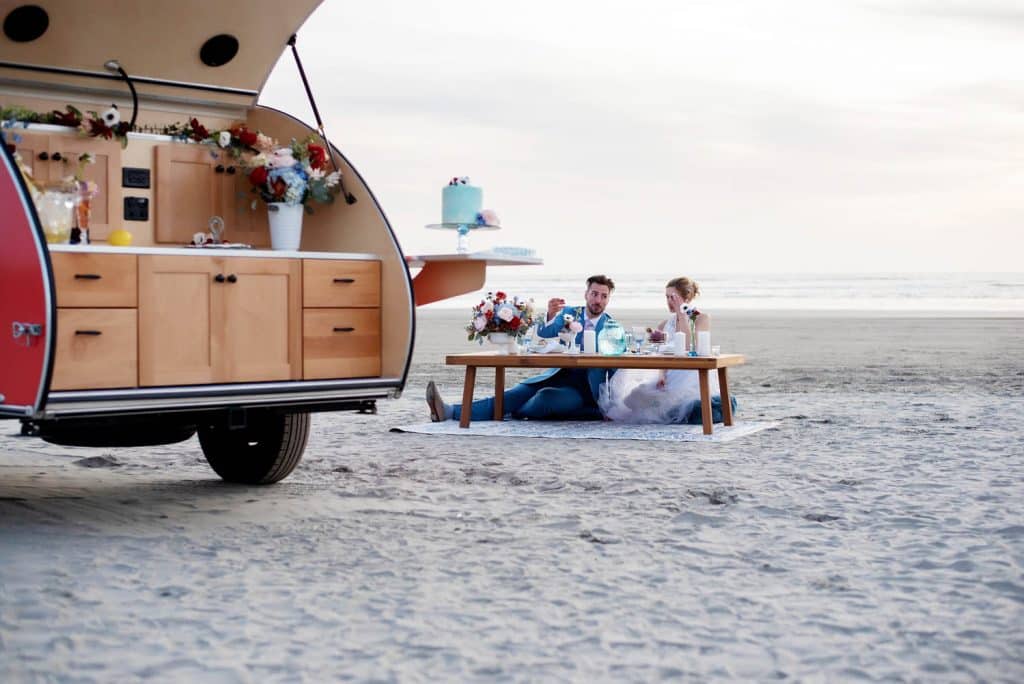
(56, 209)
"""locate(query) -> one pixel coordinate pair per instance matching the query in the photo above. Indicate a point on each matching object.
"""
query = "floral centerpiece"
(571, 327)
(497, 313)
(291, 175)
(692, 314)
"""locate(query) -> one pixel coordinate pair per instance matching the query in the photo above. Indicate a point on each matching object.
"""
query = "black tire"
(264, 452)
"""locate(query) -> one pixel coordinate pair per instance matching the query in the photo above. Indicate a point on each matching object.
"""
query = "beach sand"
(877, 533)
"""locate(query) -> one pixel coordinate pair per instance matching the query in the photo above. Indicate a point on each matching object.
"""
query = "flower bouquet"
(497, 315)
(571, 327)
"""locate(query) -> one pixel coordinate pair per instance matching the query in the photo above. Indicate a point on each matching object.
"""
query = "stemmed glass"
(639, 337)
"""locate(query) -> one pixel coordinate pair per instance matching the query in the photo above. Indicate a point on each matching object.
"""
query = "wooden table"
(500, 361)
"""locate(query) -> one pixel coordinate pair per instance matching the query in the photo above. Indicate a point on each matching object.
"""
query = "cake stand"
(462, 229)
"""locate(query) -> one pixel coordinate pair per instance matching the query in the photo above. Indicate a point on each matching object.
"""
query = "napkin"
(547, 346)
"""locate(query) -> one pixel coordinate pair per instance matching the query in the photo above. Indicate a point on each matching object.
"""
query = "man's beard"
(594, 314)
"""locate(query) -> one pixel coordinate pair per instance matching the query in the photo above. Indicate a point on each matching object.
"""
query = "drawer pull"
(344, 330)
(87, 276)
(56, 156)
(232, 278)
(43, 156)
(88, 332)
(219, 278)
(344, 280)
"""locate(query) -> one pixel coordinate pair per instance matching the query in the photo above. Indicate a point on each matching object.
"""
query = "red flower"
(68, 118)
(246, 137)
(258, 176)
(279, 188)
(515, 323)
(499, 296)
(98, 129)
(199, 131)
(317, 156)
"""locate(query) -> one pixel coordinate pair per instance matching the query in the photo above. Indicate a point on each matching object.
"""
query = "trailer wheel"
(265, 451)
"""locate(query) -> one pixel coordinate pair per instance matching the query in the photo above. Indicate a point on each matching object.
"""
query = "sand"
(877, 533)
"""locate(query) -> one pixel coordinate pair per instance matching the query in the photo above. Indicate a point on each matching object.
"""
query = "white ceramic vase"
(285, 225)
(504, 341)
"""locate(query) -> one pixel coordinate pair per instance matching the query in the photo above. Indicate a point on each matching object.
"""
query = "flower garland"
(107, 125)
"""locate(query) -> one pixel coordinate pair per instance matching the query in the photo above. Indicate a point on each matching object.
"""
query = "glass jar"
(612, 340)
(56, 209)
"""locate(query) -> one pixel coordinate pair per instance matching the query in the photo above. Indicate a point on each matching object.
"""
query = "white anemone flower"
(111, 117)
(224, 139)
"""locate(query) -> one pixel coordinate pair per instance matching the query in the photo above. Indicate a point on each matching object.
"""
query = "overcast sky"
(674, 135)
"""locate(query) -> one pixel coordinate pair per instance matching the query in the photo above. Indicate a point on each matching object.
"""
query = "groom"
(557, 393)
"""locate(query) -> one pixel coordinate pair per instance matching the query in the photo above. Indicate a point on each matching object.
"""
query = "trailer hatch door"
(27, 310)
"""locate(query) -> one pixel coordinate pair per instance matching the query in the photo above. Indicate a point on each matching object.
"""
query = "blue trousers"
(559, 398)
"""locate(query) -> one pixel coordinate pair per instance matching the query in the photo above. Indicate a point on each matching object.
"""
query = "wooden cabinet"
(96, 341)
(341, 333)
(192, 185)
(219, 319)
(96, 349)
(53, 156)
(95, 280)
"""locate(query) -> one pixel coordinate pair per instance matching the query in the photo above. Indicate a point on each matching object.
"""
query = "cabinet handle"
(344, 329)
(219, 168)
(232, 278)
(88, 332)
(56, 156)
(87, 276)
(231, 170)
(43, 156)
(344, 280)
(219, 278)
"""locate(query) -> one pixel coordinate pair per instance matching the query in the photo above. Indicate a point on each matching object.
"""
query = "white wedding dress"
(632, 395)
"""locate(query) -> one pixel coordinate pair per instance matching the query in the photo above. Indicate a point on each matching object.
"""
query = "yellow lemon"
(120, 238)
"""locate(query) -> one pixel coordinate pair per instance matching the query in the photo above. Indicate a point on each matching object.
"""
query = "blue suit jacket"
(595, 376)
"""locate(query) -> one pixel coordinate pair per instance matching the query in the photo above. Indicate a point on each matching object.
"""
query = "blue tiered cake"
(461, 202)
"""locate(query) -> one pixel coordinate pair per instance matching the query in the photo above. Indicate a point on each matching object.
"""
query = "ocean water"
(942, 294)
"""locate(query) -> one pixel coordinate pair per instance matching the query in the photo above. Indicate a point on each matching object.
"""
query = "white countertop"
(211, 251)
(488, 258)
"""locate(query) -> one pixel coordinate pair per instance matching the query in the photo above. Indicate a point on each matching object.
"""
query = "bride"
(652, 396)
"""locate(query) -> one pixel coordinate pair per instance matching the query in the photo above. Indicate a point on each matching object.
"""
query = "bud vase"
(285, 225)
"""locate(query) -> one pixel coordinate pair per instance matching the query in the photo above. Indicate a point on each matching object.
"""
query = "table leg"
(705, 400)
(467, 397)
(499, 393)
(723, 387)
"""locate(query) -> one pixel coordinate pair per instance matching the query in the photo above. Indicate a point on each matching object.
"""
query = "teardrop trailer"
(153, 343)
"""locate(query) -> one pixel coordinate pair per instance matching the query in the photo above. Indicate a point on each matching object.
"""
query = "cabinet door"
(188, 191)
(242, 223)
(96, 348)
(341, 343)
(259, 309)
(176, 319)
(106, 210)
(29, 146)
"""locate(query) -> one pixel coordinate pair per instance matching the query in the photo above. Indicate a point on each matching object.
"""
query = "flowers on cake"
(487, 217)
(497, 313)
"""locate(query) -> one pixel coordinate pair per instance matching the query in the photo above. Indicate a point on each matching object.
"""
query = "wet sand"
(878, 533)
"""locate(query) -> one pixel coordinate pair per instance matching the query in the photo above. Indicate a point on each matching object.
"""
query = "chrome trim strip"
(139, 405)
(222, 391)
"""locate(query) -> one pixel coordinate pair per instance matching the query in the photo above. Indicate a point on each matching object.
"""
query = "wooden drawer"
(87, 360)
(95, 280)
(340, 283)
(340, 343)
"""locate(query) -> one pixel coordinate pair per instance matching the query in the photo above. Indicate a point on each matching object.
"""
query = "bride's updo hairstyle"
(687, 289)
